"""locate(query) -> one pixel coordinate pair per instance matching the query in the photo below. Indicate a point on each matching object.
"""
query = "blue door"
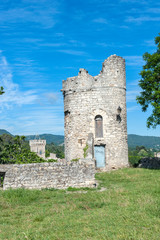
(99, 154)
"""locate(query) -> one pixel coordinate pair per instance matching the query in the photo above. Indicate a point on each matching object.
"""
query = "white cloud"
(94, 60)
(134, 1)
(132, 109)
(139, 20)
(134, 83)
(103, 44)
(35, 120)
(51, 44)
(100, 20)
(134, 60)
(131, 95)
(12, 95)
(153, 10)
(38, 12)
(149, 43)
(26, 112)
(72, 52)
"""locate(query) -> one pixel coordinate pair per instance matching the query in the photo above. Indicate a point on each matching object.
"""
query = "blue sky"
(42, 42)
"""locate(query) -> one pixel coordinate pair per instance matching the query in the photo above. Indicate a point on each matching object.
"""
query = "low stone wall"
(49, 175)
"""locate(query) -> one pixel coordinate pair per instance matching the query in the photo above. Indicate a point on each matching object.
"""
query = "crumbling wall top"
(113, 69)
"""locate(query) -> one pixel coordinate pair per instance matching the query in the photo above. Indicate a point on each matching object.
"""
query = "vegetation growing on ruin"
(52, 160)
(75, 160)
(128, 208)
(85, 151)
(1, 90)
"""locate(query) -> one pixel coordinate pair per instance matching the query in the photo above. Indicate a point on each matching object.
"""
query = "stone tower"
(95, 113)
(38, 146)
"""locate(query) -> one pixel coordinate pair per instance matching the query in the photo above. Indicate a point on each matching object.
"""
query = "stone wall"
(49, 175)
(85, 97)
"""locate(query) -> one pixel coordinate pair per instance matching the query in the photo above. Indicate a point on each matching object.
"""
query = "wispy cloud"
(76, 43)
(149, 43)
(13, 95)
(153, 10)
(141, 19)
(28, 111)
(134, 83)
(36, 120)
(131, 95)
(38, 12)
(103, 44)
(100, 20)
(134, 60)
(95, 60)
(73, 52)
(134, 1)
(132, 109)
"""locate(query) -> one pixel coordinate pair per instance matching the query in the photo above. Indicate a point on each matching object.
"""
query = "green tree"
(15, 150)
(150, 84)
(1, 90)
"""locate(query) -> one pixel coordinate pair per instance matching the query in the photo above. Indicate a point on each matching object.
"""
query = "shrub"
(134, 160)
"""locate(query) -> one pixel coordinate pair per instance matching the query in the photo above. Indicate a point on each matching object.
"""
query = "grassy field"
(129, 209)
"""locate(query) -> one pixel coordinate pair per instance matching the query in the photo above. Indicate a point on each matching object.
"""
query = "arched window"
(98, 126)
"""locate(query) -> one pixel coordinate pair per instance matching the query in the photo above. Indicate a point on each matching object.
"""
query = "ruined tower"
(95, 111)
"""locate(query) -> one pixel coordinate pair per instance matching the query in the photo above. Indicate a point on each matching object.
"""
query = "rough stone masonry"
(95, 112)
(48, 175)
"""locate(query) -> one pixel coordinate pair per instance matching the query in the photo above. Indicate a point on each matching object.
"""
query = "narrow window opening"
(2, 176)
(98, 126)
(80, 141)
(118, 118)
(66, 113)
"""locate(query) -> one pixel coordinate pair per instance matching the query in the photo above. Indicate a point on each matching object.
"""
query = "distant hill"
(2, 131)
(56, 139)
(133, 139)
(147, 141)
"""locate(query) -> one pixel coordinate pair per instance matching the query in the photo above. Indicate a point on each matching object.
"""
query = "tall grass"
(129, 208)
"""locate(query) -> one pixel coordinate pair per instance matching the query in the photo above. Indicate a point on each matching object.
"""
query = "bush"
(134, 160)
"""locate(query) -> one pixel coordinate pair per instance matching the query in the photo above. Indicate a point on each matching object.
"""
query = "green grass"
(129, 209)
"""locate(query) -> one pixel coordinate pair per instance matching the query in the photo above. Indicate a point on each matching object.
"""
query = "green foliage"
(14, 150)
(1, 90)
(135, 154)
(134, 160)
(47, 153)
(150, 84)
(58, 150)
(85, 151)
(75, 160)
(129, 209)
(52, 160)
